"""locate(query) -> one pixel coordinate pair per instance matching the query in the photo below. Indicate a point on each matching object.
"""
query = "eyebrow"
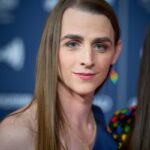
(103, 39)
(72, 36)
(75, 36)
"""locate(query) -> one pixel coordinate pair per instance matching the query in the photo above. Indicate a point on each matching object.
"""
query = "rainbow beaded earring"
(114, 77)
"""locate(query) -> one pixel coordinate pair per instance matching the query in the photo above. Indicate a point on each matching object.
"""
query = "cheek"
(65, 59)
(62, 61)
(65, 66)
(104, 64)
(104, 68)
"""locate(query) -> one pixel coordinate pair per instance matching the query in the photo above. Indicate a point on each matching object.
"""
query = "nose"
(87, 58)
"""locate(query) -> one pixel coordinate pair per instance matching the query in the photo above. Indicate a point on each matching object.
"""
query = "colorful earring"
(114, 76)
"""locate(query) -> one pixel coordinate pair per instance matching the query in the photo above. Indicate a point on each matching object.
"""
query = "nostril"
(82, 64)
(89, 64)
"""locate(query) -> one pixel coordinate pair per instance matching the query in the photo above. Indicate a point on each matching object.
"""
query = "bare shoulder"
(16, 132)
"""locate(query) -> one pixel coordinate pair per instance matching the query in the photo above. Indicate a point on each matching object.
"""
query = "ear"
(117, 51)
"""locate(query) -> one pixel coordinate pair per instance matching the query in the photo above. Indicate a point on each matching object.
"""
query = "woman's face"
(86, 50)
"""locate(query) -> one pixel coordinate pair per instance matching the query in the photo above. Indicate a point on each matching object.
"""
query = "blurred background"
(21, 26)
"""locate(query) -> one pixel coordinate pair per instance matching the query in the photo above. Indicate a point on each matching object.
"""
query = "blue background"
(21, 26)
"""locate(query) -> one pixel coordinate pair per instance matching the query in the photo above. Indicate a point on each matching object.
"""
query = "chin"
(84, 91)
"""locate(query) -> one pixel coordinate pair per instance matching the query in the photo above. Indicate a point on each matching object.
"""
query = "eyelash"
(100, 47)
(75, 44)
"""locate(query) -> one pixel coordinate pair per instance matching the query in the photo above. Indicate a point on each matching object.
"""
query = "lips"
(85, 76)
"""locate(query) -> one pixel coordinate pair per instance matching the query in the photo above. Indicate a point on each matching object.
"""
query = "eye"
(72, 44)
(100, 47)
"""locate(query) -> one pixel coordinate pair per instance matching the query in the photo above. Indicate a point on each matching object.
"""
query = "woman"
(79, 45)
(131, 127)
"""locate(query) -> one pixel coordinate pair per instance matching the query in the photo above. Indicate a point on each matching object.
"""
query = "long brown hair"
(141, 134)
(50, 119)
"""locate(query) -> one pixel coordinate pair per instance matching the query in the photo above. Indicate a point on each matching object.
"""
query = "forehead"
(77, 21)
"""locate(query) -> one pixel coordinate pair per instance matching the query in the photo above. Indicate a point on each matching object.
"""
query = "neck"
(77, 108)
(78, 116)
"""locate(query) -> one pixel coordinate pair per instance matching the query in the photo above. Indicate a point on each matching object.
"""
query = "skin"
(16, 131)
(86, 47)
(86, 52)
